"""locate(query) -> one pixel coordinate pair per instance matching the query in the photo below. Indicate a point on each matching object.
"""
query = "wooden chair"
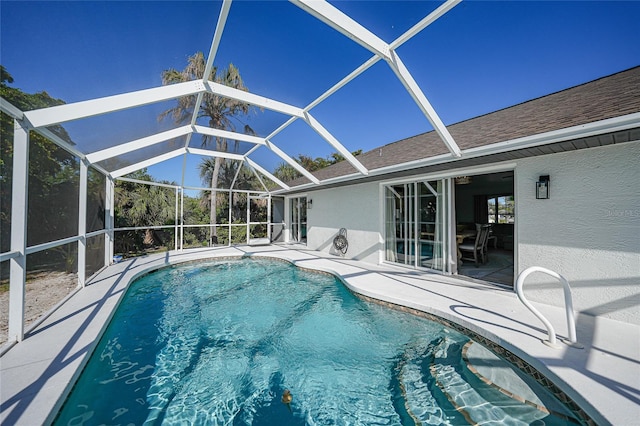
(476, 251)
(492, 237)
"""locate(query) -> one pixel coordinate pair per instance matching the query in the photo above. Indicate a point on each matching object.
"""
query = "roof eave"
(611, 125)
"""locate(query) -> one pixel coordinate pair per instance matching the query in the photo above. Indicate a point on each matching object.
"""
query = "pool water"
(217, 343)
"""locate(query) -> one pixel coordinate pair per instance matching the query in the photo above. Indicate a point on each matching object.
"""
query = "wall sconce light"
(462, 180)
(309, 204)
(542, 187)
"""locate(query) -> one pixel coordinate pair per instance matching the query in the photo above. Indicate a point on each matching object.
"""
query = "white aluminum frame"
(39, 120)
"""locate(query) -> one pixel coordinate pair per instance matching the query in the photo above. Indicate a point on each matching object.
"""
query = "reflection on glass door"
(298, 228)
(416, 224)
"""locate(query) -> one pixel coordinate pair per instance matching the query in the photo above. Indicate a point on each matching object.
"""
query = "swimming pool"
(219, 342)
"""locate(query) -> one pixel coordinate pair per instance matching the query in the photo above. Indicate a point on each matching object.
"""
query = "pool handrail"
(571, 324)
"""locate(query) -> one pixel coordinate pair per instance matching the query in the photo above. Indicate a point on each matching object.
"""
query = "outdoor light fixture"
(462, 180)
(542, 187)
(309, 204)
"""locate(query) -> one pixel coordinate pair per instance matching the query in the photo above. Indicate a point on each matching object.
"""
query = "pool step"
(438, 375)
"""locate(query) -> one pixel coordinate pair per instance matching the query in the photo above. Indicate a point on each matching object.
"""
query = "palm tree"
(223, 113)
(143, 205)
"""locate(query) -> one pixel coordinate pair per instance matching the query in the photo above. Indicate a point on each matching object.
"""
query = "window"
(501, 209)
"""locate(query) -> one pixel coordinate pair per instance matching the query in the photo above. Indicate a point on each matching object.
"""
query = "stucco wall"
(355, 208)
(588, 231)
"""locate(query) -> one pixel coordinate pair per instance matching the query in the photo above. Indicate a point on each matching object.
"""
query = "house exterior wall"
(355, 208)
(588, 230)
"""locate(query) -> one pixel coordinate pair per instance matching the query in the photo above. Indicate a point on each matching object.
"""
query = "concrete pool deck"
(603, 378)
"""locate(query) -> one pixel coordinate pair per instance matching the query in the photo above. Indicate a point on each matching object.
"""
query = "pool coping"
(603, 378)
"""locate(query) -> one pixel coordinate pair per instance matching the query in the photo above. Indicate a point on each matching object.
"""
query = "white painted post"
(19, 199)
(109, 220)
(82, 223)
(269, 224)
(181, 218)
(230, 201)
(175, 232)
(248, 216)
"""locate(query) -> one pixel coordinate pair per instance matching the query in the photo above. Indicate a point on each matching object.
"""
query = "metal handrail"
(571, 324)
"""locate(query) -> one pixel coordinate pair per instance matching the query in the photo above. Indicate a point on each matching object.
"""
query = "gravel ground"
(44, 290)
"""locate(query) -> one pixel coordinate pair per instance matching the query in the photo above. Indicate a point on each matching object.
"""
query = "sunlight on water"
(218, 343)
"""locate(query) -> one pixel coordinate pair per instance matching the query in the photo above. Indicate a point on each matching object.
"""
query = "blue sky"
(479, 57)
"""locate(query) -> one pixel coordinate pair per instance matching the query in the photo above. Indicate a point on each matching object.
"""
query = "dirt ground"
(44, 290)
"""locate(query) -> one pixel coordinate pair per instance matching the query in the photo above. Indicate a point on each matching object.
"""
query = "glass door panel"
(298, 228)
(410, 224)
(432, 224)
(415, 224)
(393, 214)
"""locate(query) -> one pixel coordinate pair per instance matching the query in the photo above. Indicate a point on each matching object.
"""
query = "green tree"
(222, 113)
(53, 176)
(140, 205)
(286, 172)
(228, 171)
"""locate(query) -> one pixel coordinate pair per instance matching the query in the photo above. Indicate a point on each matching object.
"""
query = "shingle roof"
(608, 97)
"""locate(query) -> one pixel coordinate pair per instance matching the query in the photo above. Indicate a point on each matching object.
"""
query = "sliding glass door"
(298, 220)
(416, 224)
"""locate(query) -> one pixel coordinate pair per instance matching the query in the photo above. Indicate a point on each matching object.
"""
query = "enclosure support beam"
(175, 228)
(109, 220)
(421, 100)
(181, 218)
(324, 133)
(62, 113)
(333, 17)
(19, 199)
(82, 224)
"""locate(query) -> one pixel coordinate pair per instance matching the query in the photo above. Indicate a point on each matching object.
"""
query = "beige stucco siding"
(355, 208)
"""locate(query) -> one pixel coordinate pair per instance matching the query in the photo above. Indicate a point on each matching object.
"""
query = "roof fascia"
(601, 127)
(345, 25)
(125, 148)
(421, 100)
(610, 125)
(146, 163)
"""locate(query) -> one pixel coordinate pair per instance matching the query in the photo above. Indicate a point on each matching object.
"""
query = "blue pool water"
(217, 343)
